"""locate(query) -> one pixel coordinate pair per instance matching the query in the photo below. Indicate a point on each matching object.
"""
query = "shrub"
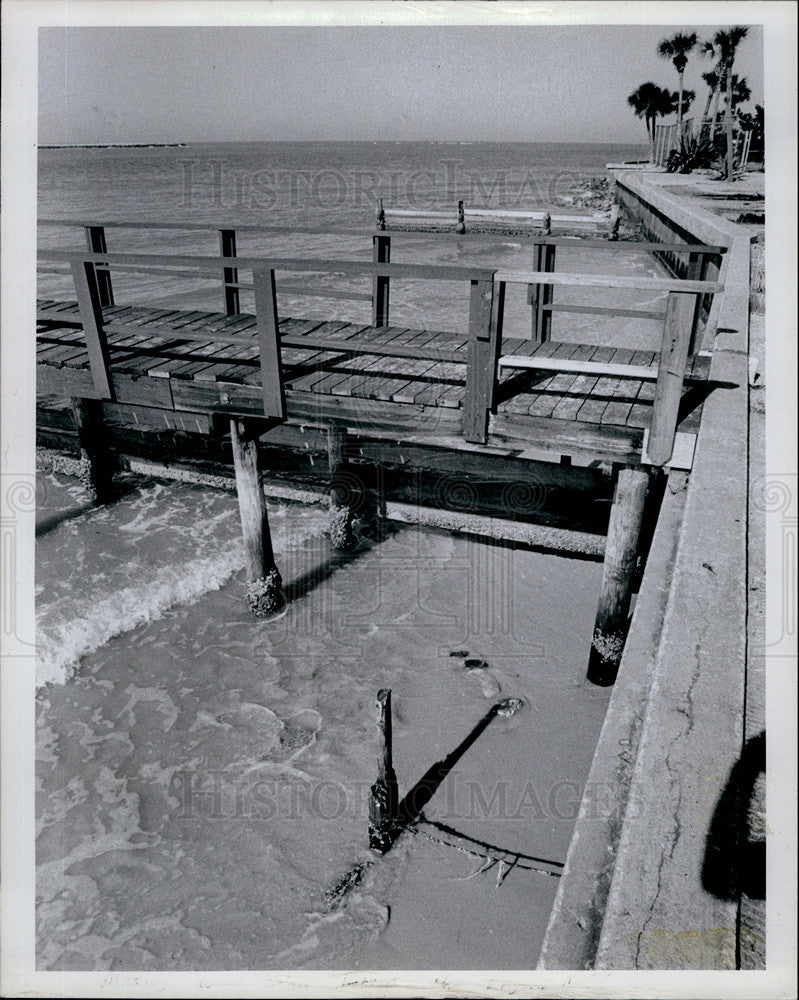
(693, 154)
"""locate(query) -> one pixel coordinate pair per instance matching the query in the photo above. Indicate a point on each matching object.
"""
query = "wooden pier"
(474, 392)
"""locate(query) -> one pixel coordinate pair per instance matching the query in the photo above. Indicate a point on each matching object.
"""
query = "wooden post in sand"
(384, 794)
(264, 593)
(621, 550)
(461, 226)
(341, 506)
(95, 459)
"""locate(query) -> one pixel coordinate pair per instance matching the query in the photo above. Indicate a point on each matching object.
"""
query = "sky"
(530, 83)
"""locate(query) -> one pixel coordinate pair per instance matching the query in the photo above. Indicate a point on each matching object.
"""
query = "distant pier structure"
(474, 398)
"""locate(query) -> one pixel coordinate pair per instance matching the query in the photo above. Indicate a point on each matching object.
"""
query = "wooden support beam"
(381, 254)
(91, 317)
(486, 305)
(342, 495)
(95, 243)
(621, 550)
(95, 457)
(264, 593)
(680, 314)
(273, 392)
(384, 794)
(230, 275)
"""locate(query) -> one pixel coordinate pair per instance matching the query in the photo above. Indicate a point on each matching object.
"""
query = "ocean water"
(202, 775)
(336, 185)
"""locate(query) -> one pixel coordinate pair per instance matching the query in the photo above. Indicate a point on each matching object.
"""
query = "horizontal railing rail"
(482, 356)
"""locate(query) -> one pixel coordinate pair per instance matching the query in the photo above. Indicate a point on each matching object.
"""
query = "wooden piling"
(621, 550)
(341, 505)
(264, 593)
(384, 794)
(95, 459)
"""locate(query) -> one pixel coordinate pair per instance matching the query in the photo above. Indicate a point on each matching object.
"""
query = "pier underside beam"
(95, 458)
(621, 550)
(264, 593)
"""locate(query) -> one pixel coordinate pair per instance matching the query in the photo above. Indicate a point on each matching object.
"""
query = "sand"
(203, 776)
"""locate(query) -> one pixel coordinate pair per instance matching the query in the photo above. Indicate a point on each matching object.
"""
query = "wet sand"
(203, 776)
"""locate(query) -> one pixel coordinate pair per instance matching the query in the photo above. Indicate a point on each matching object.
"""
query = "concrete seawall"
(647, 884)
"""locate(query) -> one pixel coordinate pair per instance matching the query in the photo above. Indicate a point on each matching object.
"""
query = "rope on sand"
(505, 859)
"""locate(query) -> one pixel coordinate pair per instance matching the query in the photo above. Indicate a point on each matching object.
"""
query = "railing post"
(486, 307)
(227, 248)
(91, 317)
(95, 243)
(268, 327)
(671, 373)
(461, 225)
(381, 254)
(694, 273)
(539, 295)
(381, 214)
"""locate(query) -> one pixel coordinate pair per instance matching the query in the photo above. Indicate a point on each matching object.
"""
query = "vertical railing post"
(694, 273)
(95, 243)
(539, 296)
(671, 373)
(381, 254)
(268, 327)
(227, 248)
(91, 317)
(486, 307)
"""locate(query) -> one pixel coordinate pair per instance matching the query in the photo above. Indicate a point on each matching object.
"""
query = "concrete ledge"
(575, 924)
(639, 891)
(664, 908)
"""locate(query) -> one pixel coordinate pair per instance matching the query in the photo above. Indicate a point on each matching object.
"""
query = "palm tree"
(677, 49)
(722, 48)
(649, 102)
(711, 78)
(739, 91)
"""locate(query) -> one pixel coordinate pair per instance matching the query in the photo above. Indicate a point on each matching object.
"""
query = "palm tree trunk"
(728, 126)
(717, 98)
(679, 113)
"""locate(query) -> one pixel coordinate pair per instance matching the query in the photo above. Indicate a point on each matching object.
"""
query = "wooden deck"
(151, 364)
(476, 389)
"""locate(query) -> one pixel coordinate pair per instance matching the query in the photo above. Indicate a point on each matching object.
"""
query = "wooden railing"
(702, 260)
(486, 309)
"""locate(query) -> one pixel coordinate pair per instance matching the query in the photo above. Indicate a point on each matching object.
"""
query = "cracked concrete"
(652, 894)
